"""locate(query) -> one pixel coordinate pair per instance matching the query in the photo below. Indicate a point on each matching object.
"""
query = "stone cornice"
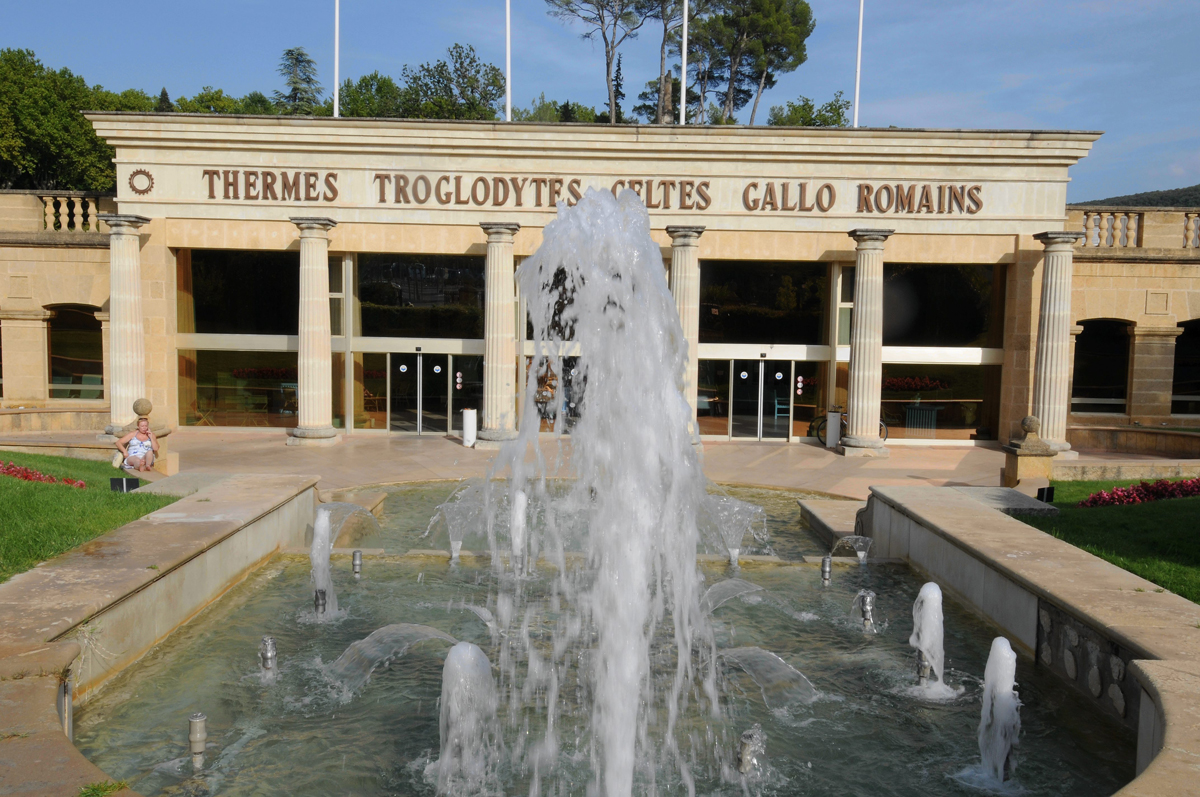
(25, 315)
(56, 240)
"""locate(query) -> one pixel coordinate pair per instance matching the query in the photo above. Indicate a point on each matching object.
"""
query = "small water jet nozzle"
(356, 564)
(923, 669)
(751, 748)
(826, 569)
(319, 602)
(867, 605)
(266, 654)
(197, 736)
(733, 556)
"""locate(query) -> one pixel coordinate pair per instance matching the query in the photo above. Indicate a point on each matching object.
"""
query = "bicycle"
(818, 428)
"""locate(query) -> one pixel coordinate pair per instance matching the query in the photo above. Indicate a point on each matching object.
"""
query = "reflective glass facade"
(76, 353)
(239, 388)
(1100, 380)
(420, 296)
(233, 292)
(942, 305)
(941, 402)
(762, 302)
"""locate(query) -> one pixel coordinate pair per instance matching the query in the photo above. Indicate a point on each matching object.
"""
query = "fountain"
(348, 522)
(926, 639)
(724, 521)
(470, 745)
(354, 667)
(826, 569)
(781, 683)
(860, 545)
(1000, 723)
(518, 515)
(324, 596)
(752, 749)
(268, 659)
(723, 591)
(864, 604)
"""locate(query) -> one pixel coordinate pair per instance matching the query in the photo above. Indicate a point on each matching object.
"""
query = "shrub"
(1143, 493)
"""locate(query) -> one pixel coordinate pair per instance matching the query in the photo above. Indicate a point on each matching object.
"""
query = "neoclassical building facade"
(350, 276)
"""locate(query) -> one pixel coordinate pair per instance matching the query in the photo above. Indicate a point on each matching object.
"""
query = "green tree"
(707, 62)
(613, 21)
(45, 142)
(259, 104)
(540, 110)
(210, 100)
(164, 102)
(299, 72)
(670, 14)
(804, 113)
(782, 28)
(648, 109)
(604, 117)
(372, 95)
(466, 88)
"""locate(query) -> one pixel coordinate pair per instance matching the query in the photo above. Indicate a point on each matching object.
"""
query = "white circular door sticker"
(778, 375)
(744, 374)
(437, 369)
(403, 369)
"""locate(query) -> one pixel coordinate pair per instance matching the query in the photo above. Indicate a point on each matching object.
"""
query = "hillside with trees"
(1172, 198)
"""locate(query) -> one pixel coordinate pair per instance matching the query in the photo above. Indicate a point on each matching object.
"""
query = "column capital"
(1141, 331)
(866, 235)
(500, 231)
(103, 317)
(684, 235)
(123, 223)
(313, 224)
(1058, 238)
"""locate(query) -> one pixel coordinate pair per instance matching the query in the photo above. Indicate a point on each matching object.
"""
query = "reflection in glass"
(1099, 381)
(775, 403)
(945, 402)
(808, 395)
(762, 302)
(712, 397)
(435, 391)
(746, 377)
(370, 391)
(420, 296)
(338, 386)
(1185, 390)
(233, 292)
(557, 396)
(403, 399)
(943, 305)
(76, 353)
(467, 393)
(239, 388)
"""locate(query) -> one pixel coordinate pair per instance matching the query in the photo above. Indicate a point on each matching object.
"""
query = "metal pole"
(508, 60)
(337, 38)
(858, 61)
(683, 78)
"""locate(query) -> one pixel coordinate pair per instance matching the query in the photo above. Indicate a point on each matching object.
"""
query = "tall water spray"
(598, 282)
(470, 746)
(1000, 723)
(322, 547)
(927, 639)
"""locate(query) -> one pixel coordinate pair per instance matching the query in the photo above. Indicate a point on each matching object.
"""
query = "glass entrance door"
(419, 393)
(435, 393)
(746, 407)
(404, 393)
(775, 403)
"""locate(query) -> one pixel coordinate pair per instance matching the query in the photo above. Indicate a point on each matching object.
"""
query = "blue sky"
(1128, 67)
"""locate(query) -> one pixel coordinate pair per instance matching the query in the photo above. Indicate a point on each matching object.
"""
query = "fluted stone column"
(685, 287)
(499, 420)
(866, 347)
(1052, 366)
(315, 378)
(126, 339)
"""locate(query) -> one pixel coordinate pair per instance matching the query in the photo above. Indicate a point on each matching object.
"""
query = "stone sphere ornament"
(142, 407)
(1031, 425)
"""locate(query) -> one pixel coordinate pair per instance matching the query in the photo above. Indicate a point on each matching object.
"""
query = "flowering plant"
(910, 384)
(264, 373)
(31, 475)
(1143, 493)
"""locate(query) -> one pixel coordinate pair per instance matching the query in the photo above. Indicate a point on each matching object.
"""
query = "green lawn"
(39, 521)
(1159, 541)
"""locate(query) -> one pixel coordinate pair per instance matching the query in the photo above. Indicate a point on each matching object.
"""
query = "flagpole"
(508, 60)
(858, 61)
(337, 40)
(683, 70)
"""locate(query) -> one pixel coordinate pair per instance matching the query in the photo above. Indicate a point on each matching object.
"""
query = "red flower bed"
(264, 373)
(1143, 493)
(913, 384)
(31, 475)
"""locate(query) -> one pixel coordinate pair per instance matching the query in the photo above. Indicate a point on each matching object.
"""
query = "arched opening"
(1100, 381)
(1185, 382)
(76, 353)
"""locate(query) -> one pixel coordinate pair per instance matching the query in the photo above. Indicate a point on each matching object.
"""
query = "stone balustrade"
(1113, 228)
(73, 211)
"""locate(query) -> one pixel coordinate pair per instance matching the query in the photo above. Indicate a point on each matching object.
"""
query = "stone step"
(831, 520)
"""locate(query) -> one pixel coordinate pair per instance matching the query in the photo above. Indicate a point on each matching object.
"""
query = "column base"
(1066, 453)
(320, 436)
(859, 447)
(497, 435)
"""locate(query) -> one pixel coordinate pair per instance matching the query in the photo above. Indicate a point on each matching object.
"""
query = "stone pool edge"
(1090, 622)
(88, 614)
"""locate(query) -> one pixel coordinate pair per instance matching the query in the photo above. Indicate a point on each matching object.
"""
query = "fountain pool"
(306, 734)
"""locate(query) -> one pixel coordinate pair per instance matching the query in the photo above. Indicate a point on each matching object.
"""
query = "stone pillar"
(1151, 373)
(685, 287)
(126, 346)
(26, 341)
(1052, 363)
(866, 347)
(499, 343)
(315, 360)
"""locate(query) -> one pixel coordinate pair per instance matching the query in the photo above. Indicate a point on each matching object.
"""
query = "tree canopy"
(805, 113)
(299, 73)
(613, 21)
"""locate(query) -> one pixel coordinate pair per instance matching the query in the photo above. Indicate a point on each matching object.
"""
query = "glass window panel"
(338, 386)
(712, 397)
(745, 398)
(555, 393)
(335, 315)
(1185, 389)
(242, 388)
(335, 274)
(762, 302)
(76, 354)
(435, 391)
(943, 305)
(845, 319)
(468, 388)
(403, 398)
(370, 391)
(420, 296)
(776, 401)
(847, 284)
(247, 293)
(1101, 374)
(808, 395)
(945, 402)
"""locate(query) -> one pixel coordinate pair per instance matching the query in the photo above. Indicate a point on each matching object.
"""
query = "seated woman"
(139, 447)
